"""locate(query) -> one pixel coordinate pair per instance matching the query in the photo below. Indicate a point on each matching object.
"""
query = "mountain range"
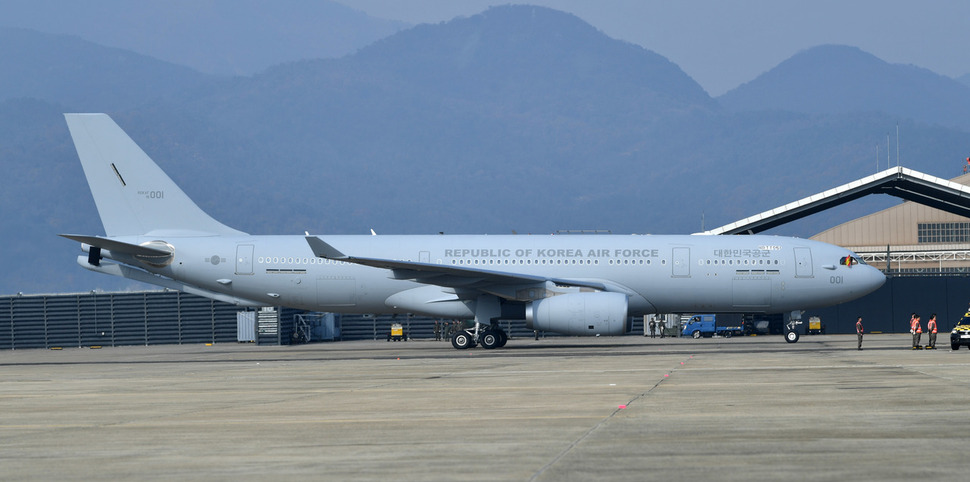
(835, 79)
(226, 37)
(520, 119)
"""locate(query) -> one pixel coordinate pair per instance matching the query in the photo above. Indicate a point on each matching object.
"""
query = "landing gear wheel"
(462, 340)
(504, 338)
(490, 339)
(791, 336)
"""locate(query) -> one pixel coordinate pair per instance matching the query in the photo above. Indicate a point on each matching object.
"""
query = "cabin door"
(681, 262)
(803, 263)
(244, 259)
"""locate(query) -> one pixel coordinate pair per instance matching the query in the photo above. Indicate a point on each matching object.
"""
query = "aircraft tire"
(791, 336)
(490, 340)
(504, 338)
(462, 340)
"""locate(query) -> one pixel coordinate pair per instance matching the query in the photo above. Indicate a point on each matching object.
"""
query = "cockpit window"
(850, 260)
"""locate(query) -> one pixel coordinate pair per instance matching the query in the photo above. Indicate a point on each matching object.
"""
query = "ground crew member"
(931, 328)
(912, 319)
(858, 330)
(917, 332)
(653, 328)
(662, 327)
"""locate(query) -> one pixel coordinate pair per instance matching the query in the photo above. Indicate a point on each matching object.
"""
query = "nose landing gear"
(791, 333)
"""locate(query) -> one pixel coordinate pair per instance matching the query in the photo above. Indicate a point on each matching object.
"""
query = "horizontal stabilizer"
(117, 246)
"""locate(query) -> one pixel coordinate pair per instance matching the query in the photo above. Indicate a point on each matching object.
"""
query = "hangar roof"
(897, 181)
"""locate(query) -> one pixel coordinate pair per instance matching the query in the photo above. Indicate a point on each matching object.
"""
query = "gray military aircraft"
(571, 284)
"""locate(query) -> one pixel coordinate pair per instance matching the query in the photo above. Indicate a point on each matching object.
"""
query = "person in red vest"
(858, 330)
(931, 328)
(917, 331)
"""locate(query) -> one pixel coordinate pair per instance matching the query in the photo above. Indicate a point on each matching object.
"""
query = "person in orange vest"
(931, 328)
(858, 330)
(917, 331)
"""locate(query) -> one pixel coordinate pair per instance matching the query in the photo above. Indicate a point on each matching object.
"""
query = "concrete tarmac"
(627, 408)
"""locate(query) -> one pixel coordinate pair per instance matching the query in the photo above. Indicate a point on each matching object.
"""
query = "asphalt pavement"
(625, 408)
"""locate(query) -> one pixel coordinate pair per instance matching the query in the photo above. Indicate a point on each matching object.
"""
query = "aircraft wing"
(441, 275)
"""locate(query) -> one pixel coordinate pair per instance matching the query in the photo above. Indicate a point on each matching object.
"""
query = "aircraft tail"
(134, 196)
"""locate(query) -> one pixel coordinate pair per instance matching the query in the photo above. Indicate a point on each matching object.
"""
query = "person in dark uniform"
(858, 330)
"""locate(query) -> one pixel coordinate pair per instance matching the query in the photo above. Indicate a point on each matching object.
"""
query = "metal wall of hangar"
(172, 317)
(888, 309)
(113, 319)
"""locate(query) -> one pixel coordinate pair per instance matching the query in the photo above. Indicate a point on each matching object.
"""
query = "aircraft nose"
(872, 279)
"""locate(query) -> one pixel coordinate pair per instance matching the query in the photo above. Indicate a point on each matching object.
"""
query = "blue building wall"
(888, 309)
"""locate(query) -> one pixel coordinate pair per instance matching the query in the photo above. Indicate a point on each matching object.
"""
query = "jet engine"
(580, 314)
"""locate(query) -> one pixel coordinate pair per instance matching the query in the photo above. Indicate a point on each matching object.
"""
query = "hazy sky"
(722, 44)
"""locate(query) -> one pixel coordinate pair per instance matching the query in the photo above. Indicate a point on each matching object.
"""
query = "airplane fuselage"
(574, 284)
(659, 273)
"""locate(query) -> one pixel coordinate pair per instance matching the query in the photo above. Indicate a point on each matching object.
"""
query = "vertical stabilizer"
(134, 196)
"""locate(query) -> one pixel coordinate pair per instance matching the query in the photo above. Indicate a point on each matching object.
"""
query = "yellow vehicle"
(397, 332)
(815, 326)
(961, 333)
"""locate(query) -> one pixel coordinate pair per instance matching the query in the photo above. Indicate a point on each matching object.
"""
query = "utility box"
(246, 327)
(268, 326)
(396, 333)
(815, 326)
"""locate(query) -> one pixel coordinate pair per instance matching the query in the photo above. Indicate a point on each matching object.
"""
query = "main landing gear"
(490, 338)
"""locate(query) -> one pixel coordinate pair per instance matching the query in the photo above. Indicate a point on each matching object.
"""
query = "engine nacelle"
(580, 314)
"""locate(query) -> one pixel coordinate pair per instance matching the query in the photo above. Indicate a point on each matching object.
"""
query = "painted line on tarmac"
(576, 442)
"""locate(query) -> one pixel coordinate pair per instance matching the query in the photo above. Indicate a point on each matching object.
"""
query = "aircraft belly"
(687, 295)
(751, 293)
(334, 291)
(430, 300)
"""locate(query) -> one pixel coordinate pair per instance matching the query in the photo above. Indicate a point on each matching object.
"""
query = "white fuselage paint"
(668, 273)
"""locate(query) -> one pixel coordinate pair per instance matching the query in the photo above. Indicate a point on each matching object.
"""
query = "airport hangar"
(923, 245)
